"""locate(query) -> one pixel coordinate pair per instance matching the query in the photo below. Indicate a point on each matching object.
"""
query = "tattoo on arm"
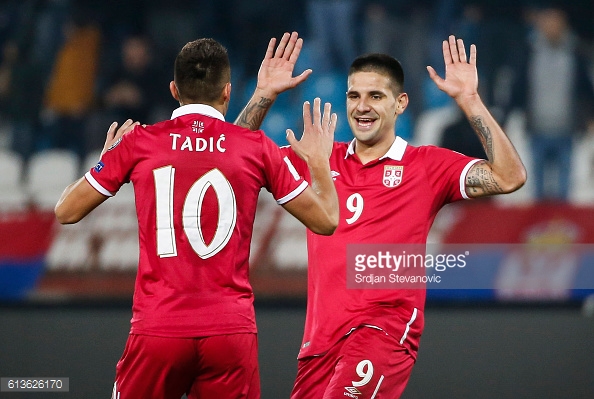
(484, 135)
(253, 115)
(480, 181)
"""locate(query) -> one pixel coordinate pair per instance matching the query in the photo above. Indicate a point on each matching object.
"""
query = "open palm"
(276, 71)
(461, 78)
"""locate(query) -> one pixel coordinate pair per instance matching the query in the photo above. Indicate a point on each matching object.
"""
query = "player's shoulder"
(435, 155)
(433, 150)
(339, 149)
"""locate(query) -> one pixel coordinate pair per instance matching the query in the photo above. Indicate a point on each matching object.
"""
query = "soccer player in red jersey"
(362, 343)
(196, 181)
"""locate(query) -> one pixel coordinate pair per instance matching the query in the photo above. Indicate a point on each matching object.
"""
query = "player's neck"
(367, 152)
(221, 107)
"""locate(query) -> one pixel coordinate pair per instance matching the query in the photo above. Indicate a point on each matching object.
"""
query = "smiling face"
(373, 104)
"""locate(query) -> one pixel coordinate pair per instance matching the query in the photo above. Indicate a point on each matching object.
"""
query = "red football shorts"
(222, 366)
(366, 364)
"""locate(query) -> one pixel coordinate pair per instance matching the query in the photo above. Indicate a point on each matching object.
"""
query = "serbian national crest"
(392, 175)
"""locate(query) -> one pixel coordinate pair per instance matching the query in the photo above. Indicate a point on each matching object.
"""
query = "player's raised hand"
(276, 71)
(461, 78)
(318, 133)
(114, 135)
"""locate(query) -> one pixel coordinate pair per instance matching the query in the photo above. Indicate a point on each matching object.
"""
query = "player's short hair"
(201, 71)
(382, 64)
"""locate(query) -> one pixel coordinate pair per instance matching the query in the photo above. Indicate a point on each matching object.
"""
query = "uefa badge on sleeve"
(99, 167)
(392, 175)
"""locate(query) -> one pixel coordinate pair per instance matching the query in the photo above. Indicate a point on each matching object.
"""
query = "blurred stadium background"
(65, 291)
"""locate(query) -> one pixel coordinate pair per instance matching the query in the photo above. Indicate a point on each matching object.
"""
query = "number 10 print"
(164, 183)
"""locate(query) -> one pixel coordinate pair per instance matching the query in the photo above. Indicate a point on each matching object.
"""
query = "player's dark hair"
(201, 71)
(382, 64)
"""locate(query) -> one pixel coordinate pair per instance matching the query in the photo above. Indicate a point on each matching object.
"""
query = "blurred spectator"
(69, 94)
(459, 136)
(331, 33)
(252, 24)
(134, 88)
(555, 91)
(20, 97)
(388, 27)
(47, 24)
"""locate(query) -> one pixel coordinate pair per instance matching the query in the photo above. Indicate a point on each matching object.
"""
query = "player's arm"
(503, 171)
(274, 77)
(317, 207)
(80, 198)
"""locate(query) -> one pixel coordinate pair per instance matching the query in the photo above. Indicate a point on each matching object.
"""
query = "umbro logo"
(334, 174)
(351, 392)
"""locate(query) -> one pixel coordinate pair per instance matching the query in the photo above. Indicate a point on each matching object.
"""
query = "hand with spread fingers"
(461, 77)
(276, 72)
(318, 133)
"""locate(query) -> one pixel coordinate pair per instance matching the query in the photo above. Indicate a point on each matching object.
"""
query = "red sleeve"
(446, 171)
(284, 180)
(299, 163)
(114, 168)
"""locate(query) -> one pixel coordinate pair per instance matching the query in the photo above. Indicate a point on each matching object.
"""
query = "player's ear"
(174, 91)
(227, 92)
(401, 102)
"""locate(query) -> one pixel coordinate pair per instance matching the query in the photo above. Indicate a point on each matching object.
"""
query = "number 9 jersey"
(196, 182)
(390, 200)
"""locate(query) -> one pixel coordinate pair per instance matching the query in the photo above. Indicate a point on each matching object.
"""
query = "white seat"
(265, 221)
(89, 161)
(289, 245)
(70, 250)
(49, 173)
(112, 217)
(124, 197)
(432, 123)
(515, 128)
(582, 171)
(119, 252)
(13, 196)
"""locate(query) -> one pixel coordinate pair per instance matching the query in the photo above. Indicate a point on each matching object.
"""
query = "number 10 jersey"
(196, 181)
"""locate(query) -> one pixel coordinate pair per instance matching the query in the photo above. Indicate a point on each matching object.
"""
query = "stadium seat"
(289, 246)
(582, 179)
(13, 196)
(89, 161)
(267, 214)
(119, 252)
(70, 250)
(515, 128)
(49, 172)
(431, 123)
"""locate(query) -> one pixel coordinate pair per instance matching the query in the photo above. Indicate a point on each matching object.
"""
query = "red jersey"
(196, 182)
(375, 209)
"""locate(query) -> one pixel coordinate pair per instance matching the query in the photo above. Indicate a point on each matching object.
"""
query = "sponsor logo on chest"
(392, 176)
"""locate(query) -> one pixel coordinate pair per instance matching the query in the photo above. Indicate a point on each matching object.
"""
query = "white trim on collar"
(197, 109)
(396, 151)
(351, 149)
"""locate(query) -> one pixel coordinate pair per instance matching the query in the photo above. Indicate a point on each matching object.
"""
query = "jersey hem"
(301, 188)
(96, 185)
(463, 177)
